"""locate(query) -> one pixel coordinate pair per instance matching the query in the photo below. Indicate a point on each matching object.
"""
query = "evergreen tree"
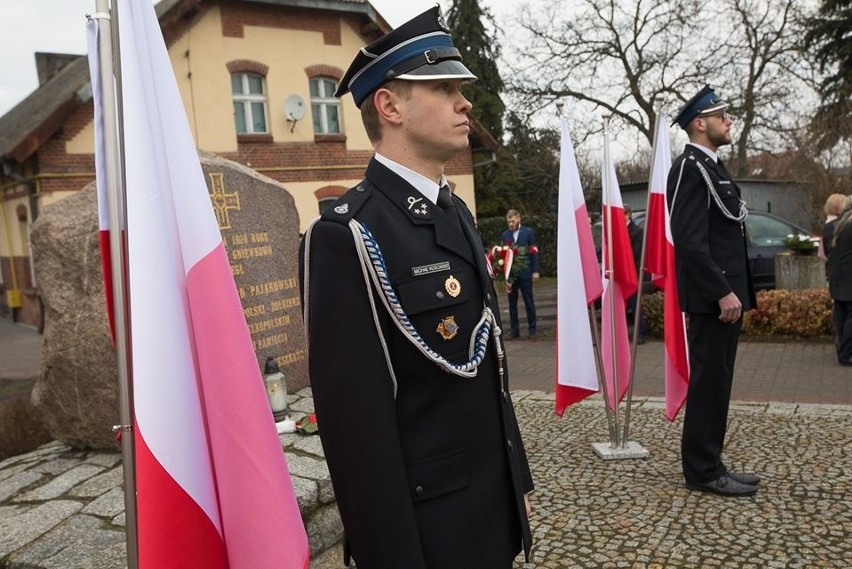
(467, 21)
(828, 38)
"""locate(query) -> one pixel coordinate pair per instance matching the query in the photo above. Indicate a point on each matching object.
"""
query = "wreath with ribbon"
(507, 261)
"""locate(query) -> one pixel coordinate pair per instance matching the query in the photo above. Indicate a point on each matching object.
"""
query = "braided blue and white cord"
(373, 260)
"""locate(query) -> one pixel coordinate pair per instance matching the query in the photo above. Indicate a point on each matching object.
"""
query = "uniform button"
(488, 297)
(419, 490)
(439, 295)
(360, 189)
(511, 446)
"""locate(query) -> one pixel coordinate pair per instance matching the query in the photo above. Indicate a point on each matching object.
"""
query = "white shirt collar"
(423, 184)
(706, 151)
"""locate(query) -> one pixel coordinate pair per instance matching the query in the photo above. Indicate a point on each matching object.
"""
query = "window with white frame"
(324, 106)
(249, 91)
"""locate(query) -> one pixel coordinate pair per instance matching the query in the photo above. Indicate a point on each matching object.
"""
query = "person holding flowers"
(521, 240)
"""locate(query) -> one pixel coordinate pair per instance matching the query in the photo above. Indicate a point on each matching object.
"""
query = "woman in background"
(840, 283)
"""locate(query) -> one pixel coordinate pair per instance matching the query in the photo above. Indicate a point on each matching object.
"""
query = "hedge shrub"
(800, 313)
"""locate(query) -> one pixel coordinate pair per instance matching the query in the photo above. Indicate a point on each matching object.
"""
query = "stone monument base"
(631, 449)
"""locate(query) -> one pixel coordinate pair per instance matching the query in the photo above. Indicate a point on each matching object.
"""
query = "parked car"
(766, 234)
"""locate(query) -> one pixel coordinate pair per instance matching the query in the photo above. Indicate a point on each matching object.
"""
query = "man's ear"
(387, 105)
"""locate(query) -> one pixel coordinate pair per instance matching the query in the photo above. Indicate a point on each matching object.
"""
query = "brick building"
(256, 79)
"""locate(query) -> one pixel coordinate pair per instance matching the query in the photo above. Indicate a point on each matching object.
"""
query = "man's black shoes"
(724, 486)
(744, 478)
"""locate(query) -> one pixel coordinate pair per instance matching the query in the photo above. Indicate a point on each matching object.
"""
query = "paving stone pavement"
(791, 422)
(61, 508)
(591, 513)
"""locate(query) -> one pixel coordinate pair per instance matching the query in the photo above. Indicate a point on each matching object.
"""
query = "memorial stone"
(260, 228)
(76, 393)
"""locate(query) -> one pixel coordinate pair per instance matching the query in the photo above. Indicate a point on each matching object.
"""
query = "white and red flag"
(100, 169)
(620, 283)
(579, 285)
(659, 261)
(213, 487)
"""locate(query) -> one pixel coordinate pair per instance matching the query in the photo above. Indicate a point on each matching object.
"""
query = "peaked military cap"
(704, 102)
(420, 49)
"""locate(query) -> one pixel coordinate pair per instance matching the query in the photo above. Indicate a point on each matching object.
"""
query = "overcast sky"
(28, 26)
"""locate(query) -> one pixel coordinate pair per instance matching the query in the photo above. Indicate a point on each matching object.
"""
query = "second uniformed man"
(405, 359)
(714, 286)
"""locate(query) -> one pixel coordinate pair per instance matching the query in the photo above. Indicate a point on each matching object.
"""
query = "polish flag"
(213, 487)
(100, 170)
(619, 281)
(579, 284)
(659, 261)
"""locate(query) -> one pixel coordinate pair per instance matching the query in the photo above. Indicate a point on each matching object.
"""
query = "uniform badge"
(442, 23)
(341, 209)
(418, 207)
(452, 286)
(448, 328)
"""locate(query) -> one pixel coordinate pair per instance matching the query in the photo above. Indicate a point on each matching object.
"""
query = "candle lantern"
(276, 389)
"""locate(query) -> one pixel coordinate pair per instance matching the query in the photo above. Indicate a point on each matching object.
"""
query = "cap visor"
(717, 106)
(447, 69)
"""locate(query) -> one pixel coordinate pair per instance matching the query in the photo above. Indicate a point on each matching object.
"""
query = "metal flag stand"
(110, 86)
(619, 447)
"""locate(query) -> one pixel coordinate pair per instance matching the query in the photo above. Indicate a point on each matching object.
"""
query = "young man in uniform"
(405, 355)
(715, 288)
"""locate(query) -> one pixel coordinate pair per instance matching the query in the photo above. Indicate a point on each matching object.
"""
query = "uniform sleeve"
(354, 398)
(690, 226)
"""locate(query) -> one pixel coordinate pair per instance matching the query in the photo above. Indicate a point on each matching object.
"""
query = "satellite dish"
(294, 108)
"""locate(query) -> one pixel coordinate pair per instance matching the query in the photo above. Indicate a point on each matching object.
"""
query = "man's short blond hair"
(512, 213)
(369, 113)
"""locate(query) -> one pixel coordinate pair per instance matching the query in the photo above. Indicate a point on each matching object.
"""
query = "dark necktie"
(445, 202)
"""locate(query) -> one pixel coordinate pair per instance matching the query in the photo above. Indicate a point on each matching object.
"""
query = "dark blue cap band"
(705, 99)
(376, 72)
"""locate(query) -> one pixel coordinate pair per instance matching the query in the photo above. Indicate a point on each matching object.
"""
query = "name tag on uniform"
(724, 182)
(430, 269)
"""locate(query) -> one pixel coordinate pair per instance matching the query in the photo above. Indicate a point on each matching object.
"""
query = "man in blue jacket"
(522, 237)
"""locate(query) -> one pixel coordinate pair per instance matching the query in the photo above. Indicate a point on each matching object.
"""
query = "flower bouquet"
(307, 425)
(507, 261)
(801, 244)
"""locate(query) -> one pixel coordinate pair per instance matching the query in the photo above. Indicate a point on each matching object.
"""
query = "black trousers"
(842, 313)
(712, 352)
(525, 286)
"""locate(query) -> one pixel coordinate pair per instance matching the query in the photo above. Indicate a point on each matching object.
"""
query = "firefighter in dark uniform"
(715, 288)
(404, 340)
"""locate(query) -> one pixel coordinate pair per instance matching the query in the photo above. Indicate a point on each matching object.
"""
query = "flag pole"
(606, 188)
(596, 334)
(637, 316)
(107, 20)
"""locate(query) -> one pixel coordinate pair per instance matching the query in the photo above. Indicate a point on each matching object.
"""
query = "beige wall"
(13, 233)
(207, 95)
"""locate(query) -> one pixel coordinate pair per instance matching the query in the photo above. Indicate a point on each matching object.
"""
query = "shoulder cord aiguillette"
(739, 217)
(374, 263)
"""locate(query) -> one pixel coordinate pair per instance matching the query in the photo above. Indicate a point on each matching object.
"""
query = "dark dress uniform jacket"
(429, 471)
(711, 259)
